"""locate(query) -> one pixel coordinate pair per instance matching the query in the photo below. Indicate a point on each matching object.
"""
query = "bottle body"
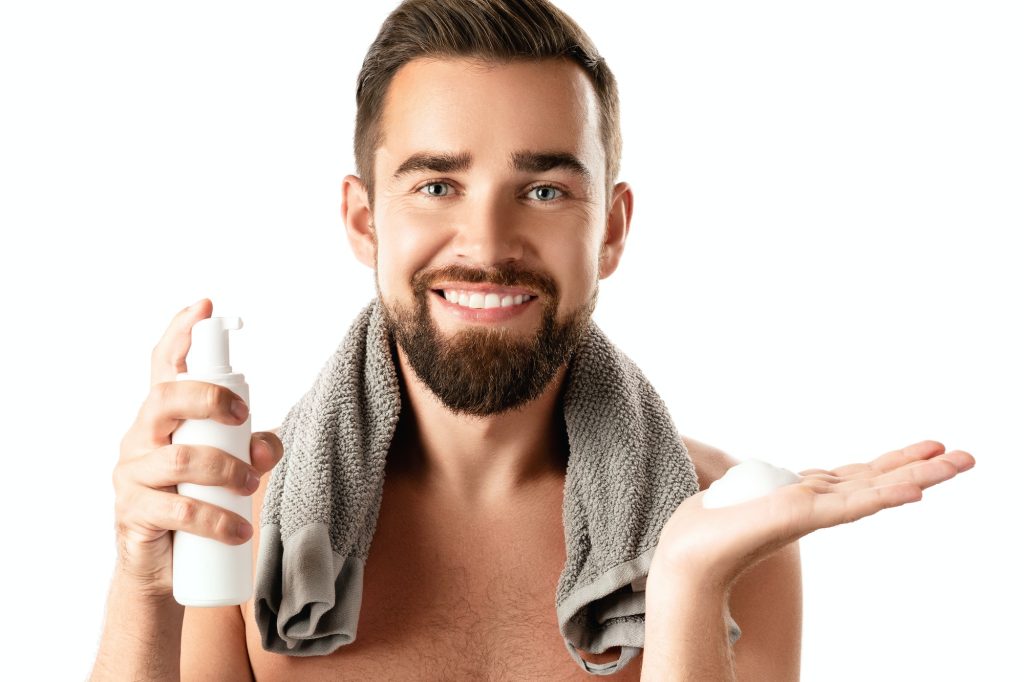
(208, 572)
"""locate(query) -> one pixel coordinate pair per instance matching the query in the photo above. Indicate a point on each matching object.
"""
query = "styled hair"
(496, 31)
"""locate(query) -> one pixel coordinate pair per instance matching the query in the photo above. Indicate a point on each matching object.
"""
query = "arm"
(141, 637)
(213, 644)
(767, 603)
(687, 636)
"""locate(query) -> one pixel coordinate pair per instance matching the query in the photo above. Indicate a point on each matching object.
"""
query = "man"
(487, 146)
(486, 206)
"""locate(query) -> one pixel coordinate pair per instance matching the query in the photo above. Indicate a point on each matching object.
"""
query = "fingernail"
(252, 482)
(265, 446)
(244, 530)
(239, 409)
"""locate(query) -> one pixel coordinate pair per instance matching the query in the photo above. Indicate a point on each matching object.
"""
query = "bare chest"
(452, 597)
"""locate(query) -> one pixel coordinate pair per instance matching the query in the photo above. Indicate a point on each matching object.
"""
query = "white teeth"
(474, 299)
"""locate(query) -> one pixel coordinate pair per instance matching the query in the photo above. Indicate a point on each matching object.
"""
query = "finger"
(176, 463)
(963, 460)
(912, 453)
(168, 358)
(890, 460)
(923, 474)
(162, 510)
(834, 508)
(808, 472)
(265, 451)
(171, 402)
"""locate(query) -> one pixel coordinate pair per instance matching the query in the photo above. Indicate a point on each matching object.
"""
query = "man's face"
(498, 214)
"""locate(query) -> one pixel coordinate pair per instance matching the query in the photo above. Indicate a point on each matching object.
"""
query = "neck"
(478, 460)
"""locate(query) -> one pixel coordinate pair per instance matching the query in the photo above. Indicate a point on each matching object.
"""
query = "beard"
(487, 369)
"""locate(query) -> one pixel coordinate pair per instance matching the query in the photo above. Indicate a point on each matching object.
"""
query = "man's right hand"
(150, 467)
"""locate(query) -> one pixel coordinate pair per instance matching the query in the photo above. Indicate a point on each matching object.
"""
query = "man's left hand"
(719, 544)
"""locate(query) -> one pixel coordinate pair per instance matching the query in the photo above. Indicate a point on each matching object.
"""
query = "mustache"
(503, 276)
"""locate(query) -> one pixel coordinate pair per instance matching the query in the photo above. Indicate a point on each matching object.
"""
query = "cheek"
(583, 282)
(405, 246)
(572, 260)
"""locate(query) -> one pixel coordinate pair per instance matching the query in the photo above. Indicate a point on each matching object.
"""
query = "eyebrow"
(438, 162)
(523, 160)
(536, 162)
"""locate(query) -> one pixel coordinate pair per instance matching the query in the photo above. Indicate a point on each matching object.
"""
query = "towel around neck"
(628, 470)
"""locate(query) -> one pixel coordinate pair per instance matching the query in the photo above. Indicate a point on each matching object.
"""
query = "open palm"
(721, 543)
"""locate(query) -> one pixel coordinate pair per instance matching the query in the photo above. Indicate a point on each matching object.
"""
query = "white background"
(824, 264)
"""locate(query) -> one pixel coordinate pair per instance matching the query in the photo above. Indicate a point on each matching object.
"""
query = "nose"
(488, 232)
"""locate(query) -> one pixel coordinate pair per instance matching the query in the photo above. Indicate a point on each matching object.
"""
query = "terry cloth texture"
(627, 472)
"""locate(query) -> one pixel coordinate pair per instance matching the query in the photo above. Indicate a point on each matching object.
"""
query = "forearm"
(686, 636)
(141, 635)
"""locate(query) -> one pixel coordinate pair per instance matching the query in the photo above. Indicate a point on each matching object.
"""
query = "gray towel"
(627, 472)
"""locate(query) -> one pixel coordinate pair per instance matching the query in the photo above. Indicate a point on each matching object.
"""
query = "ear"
(355, 211)
(619, 216)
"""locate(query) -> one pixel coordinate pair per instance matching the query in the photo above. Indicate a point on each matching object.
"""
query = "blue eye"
(439, 190)
(434, 184)
(549, 190)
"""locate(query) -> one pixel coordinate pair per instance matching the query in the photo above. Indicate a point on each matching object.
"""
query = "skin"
(490, 224)
(719, 544)
(482, 454)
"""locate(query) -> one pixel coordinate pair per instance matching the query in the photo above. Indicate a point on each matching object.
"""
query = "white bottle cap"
(209, 353)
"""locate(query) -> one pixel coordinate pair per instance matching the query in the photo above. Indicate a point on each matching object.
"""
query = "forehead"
(488, 109)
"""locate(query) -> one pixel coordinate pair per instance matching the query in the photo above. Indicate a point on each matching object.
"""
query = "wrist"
(685, 572)
(673, 586)
(143, 590)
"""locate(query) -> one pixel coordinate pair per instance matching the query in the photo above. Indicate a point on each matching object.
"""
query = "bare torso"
(451, 594)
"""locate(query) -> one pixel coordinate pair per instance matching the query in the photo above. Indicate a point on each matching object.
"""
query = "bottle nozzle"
(209, 353)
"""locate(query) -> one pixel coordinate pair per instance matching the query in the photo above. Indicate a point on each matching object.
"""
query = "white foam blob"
(745, 481)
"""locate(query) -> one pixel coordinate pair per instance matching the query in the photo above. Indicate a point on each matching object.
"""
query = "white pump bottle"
(208, 572)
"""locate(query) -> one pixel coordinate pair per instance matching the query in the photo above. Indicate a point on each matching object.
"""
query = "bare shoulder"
(710, 462)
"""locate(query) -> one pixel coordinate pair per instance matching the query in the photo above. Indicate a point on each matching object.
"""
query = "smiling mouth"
(474, 300)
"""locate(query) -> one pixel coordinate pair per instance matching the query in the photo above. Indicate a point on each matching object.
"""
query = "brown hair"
(492, 30)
